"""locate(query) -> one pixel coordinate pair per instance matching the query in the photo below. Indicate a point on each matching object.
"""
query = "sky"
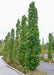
(11, 10)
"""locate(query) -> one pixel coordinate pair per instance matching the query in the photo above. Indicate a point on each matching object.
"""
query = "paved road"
(4, 70)
(47, 67)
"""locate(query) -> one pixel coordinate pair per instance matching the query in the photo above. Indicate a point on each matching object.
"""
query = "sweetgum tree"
(33, 43)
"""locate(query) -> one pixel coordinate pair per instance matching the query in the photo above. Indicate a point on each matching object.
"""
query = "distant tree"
(7, 46)
(43, 46)
(0, 41)
(16, 43)
(50, 47)
(33, 42)
(53, 43)
(22, 46)
(11, 45)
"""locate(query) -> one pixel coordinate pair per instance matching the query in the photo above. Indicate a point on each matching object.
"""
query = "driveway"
(47, 67)
(4, 70)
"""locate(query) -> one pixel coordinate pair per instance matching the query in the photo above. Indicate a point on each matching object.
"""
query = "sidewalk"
(5, 69)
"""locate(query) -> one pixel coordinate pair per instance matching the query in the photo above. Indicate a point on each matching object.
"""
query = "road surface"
(4, 70)
(46, 67)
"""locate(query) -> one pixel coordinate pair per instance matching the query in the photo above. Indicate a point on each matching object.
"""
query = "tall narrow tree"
(33, 42)
(16, 43)
(50, 47)
(22, 47)
(53, 41)
(43, 44)
(7, 46)
(11, 45)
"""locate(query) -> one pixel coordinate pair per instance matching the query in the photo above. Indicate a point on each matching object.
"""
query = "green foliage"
(43, 46)
(26, 46)
(33, 42)
(47, 60)
(53, 43)
(50, 47)
(22, 47)
(7, 46)
(16, 43)
(11, 45)
(1, 47)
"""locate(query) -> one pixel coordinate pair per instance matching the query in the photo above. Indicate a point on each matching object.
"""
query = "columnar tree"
(16, 43)
(53, 41)
(33, 43)
(11, 45)
(50, 47)
(7, 46)
(22, 47)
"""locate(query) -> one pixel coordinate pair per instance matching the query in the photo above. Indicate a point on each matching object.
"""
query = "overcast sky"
(11, 10)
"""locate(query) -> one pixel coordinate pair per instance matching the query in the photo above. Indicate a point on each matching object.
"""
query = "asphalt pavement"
(46, 67)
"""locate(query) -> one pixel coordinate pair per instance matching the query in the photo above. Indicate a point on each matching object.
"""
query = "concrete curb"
(14, 69)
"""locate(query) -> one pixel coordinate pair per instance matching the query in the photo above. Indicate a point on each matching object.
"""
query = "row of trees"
(25, 47)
